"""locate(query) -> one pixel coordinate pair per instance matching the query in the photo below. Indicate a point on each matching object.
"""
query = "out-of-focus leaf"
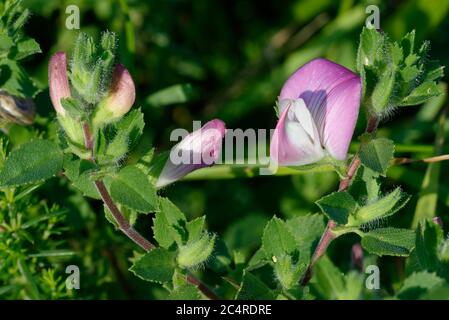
(253, 289)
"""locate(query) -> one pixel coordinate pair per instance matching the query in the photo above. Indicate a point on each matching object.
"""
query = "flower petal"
(292, 144)
(122, 93)
(58, 81)
(332, 94)
(199, 149)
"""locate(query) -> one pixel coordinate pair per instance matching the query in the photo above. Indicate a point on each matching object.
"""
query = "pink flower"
(122, 94)
(58, 81)
(318, 107)
(199, 149)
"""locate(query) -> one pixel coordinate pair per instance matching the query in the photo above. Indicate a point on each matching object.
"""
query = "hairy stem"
(328, 234)
(126, 227)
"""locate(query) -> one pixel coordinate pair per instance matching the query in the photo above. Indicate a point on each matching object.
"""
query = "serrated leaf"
(382, 208)
(421, 94)
(157, 265)
(338, 206)
(168, 224)
(307, 231)
(185, 292)
(31, 162)
(277, 239)
(25, 48)
(287, 272)
(79, 171)
(253, 289)
(132, 124)
(389, 241)
(365, 187)
(18, 83)
(377, 154)
(132, 188)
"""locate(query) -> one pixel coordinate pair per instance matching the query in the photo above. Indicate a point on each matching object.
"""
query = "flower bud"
(196, 252)
(58, 81)
(120, 98)
(15, 109)
(199, 149)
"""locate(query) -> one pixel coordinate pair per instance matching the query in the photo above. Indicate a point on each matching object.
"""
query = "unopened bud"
(15, 109)
(58, 81)
(196, 252)
(120, 98)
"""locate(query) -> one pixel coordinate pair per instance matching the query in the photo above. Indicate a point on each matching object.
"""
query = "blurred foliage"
(225, 59)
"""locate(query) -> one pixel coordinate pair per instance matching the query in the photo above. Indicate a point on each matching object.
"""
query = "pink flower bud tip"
(122, 93)
(58, 81)
(199, 149)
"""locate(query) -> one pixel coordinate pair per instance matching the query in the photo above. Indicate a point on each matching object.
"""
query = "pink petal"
(58, 81)
(202, 148)
(292, 143)
(122, 93)
(332, 93)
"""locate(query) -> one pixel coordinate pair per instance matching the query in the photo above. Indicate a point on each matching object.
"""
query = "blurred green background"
(229, 60)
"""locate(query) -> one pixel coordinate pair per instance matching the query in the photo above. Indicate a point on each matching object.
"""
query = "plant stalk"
(126, 227)
(328, 235)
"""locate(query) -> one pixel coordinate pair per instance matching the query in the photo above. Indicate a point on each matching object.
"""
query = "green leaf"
(73, 107)
(129, 214)
(53, 253)
(41, 218)
(383, 91)
(25, 48)
(157, 265)
(116, 140)
(252, 288)
(429, 237)
(197, 251)
(179, 93)
(168, 224)
(365, 187)
(307, 231)
(185, 292)
(132, 126)
(418, 284)
(338, 206)
(385, 207)
(195, 228)
(30, 282)
(79, 172)
(421, 94)
(31, 162)
(277, 239)
(19, 83)
(389, 241)
(132, 188)
(287, 272)
(377, 154)
(327, 279)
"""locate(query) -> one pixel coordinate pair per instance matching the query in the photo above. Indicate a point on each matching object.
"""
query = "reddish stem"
(328, 236)
(126, 227)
